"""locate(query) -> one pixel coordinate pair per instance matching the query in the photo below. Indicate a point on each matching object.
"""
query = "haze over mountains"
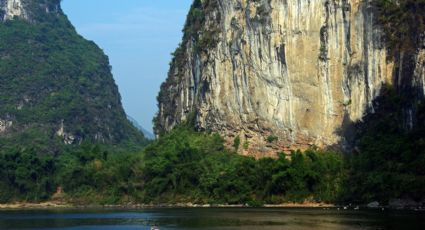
(145, 132)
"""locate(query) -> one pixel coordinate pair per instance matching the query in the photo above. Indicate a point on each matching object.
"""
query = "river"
(212, 218)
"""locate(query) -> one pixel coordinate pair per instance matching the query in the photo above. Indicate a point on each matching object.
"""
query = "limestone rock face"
(12, 8)
(297, 70)
(27, 9)
(4, 125)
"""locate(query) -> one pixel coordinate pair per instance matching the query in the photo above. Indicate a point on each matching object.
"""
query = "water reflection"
(225, 218)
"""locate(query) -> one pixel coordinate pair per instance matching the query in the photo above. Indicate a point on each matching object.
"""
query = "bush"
(272, 138)
(237, 143)
(403, 22)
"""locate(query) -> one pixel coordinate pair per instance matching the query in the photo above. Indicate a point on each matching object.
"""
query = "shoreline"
(42, 205)
(59, 205)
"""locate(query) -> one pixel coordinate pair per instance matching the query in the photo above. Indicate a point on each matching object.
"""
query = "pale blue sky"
(138, 36)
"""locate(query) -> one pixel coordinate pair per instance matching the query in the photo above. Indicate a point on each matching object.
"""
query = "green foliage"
(237, 143)
(109, 178)
(207, 40)
(188, 166)
(403, 22)
(390, 160)
(246, 145)
(185, 166)
(196, 29)
(87, 174)
(26, 176)
(272, 138)
(181, 166)
(194, 19)
(49, 75)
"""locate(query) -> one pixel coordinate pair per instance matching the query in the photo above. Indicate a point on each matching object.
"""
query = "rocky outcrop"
(5, 125)
(12, 8)
(27, 9)
(280, 74)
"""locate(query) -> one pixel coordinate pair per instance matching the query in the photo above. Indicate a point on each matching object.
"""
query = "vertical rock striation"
(300, 70)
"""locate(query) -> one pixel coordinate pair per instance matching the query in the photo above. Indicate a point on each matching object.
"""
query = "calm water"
(223, 219)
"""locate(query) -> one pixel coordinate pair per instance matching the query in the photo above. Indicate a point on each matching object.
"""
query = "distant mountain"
(145, 132)
(56, 87)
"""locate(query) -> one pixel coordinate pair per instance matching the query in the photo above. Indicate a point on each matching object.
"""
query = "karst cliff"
(284, 74)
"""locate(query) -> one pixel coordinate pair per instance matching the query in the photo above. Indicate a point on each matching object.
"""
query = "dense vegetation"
(87, 175)
(403, 22)
(188, 166)
(386, 164)
(183, 166)
(391, 157)
(49, 76)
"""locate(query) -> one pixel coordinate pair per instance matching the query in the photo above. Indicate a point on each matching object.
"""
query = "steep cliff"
(283, 74)
(55, 86)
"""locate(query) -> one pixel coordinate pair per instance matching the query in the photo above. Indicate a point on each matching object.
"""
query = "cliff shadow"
(385, 151)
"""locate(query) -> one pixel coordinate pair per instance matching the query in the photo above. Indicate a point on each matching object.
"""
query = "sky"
(139, 37)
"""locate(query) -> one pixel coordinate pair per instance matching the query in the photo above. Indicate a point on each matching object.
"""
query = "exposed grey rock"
(298, 70)
(26, 9)
(374, 204)
(5, 125)
(12, 8)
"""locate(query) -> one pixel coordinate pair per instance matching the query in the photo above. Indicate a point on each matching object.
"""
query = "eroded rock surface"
(295, 69)
(27, 9)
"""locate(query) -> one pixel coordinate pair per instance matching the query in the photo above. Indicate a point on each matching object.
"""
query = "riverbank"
(43, 205)
(60, 205)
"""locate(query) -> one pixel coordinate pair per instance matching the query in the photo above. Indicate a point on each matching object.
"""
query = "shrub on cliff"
(403, 22)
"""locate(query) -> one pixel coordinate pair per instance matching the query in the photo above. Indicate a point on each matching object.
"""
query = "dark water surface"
(223, 219)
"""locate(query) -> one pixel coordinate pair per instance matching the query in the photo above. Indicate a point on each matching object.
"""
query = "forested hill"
(56, 91)
(56, 88)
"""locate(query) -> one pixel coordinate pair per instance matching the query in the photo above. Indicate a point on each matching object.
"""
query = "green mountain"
(55, 86)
